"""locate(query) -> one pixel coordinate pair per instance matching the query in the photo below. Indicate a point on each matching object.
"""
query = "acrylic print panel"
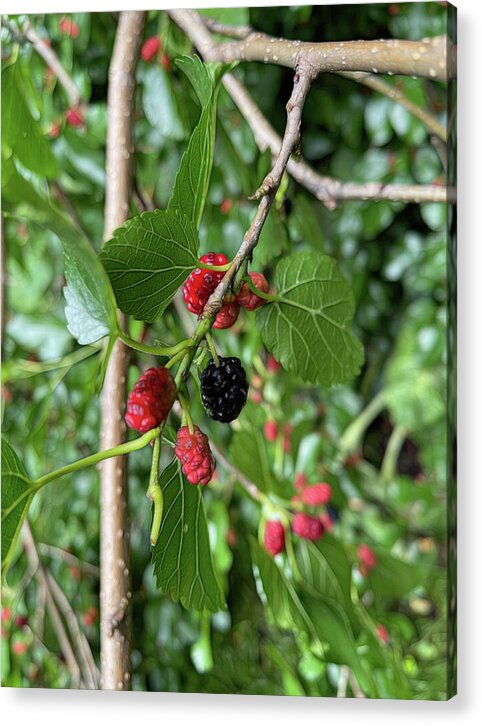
(230, 285)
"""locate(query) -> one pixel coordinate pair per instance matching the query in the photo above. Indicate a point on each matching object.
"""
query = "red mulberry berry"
(307, 527)
(202, 283)
(248, 299)
(367, 558)
(383, 634)
(271, 430)
(327, 522)
(274, 537)
(150, 48)
(75, 117)
(150, 400)
(195, 456)
(316, 494)
(272, 365)
(227, 316)
(69, 27)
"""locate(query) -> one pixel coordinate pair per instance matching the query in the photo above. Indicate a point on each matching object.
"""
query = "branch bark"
(426, 58)
(328, 190)
(115, 581)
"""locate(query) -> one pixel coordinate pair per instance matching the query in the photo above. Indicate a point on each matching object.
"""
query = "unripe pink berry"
(271, 430)
(274, 537)
(317, 494)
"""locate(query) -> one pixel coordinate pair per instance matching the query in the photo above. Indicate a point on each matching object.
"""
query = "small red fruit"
(227, 316)
(226, 206)
(307, 527)
(54, 130)
(69, 27)
(6, 614)
(274, 537)
(165, 62)
(75, 117)
(91, 617)
(367, 558)
(271, 430)
(150, 400)
(202, 283)
(272, 365)
(19, 647)
(256, 397)
(317, 494)
(248, 299)
(21, 621)
(193, 452)
(150, 48)
(383, 634)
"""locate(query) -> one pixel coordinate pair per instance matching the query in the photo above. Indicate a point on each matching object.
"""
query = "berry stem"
(214, 268)
(154, 491)
(186, 413)
(176, 358)
(152, 349)
(210, 342)
(93, 459)
(263, 295)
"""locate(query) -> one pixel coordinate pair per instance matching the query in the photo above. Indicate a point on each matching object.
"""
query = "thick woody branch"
(327, 190)
(426, 58)
(115, 581)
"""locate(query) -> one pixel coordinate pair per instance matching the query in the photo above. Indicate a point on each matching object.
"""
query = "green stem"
(176, 358)
(215, 268)
(210, 342)
(186, 411)
(392, 452)
(351, 438)
(154, 492)
(263, 295)
(126, 448)
(154, 350)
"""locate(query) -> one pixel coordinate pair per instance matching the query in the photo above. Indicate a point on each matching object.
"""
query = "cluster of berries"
(224, 390)
(304, 525)
(201, 283)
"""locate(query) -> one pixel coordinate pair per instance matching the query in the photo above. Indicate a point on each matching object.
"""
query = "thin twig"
(89, 669)
(51, 59)
(69, 558)
(267, 191)
(246, 483)
(395, 94)
(55, 617)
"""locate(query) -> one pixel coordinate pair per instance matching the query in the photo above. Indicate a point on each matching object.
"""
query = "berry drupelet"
(274, 537)
(224, 389)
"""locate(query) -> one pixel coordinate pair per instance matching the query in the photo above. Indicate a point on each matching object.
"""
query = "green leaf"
(17, 494)
(20, 131)
(160, 103)
(327, 571)
(307, 328)
(148, 259)
(90, 304)
(200, 78)
(192, 180)
(393, 577)
(249, 454)
(182, 558)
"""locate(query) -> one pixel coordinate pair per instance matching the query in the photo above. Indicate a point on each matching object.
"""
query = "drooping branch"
(328, 190)
(301, 85)
(115, 587)
(426, 58)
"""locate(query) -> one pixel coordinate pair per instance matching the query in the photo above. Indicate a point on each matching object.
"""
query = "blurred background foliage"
(387, 469)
